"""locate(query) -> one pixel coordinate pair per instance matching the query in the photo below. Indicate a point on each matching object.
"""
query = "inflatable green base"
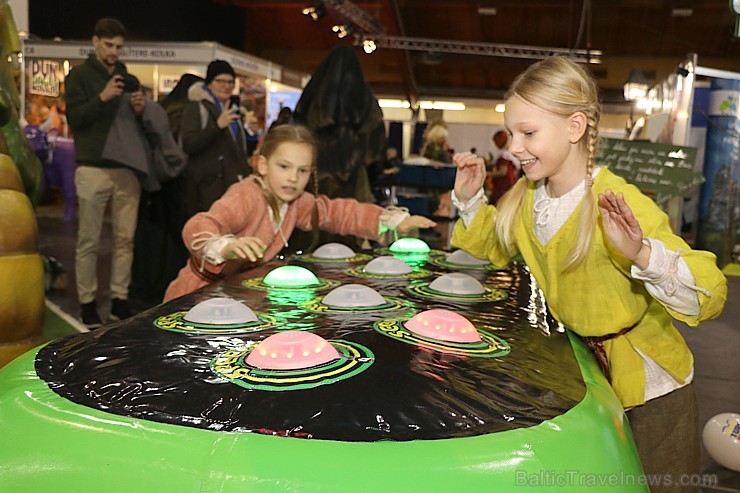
(51, 444)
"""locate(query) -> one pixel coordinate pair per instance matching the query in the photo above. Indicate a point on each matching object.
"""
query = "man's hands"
(113, 88)
(246, 247)
(622, 228)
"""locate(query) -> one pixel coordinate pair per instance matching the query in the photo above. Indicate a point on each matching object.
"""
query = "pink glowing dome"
(443, 325)
(292, 350)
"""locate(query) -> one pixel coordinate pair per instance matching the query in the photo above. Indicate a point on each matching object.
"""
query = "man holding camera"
(93, 94)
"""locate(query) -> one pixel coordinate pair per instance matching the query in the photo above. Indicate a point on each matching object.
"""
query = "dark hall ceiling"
(651, 35)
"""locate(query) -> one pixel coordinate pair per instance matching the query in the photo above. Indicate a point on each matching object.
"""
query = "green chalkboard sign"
(661, 171)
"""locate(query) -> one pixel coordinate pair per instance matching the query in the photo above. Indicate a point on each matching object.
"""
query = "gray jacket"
(144, 144)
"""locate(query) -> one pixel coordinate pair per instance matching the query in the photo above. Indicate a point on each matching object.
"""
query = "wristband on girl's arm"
(211, 246)
(469, 209)
(391, 217)
(669, 279)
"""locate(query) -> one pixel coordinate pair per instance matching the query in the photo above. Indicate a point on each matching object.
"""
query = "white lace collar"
(549, 213)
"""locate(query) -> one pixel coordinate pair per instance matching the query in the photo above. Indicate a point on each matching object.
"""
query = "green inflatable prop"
(52, 444)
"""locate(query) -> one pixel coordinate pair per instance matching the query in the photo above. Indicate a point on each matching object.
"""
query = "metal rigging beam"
(357, 16)
(475, 48)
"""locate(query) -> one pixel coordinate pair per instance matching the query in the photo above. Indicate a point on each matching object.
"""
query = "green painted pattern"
(51, 444)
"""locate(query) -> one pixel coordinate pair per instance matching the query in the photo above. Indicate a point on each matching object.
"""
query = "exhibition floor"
(715, 343)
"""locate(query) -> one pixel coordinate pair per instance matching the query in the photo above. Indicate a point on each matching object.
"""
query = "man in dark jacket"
(93, 95)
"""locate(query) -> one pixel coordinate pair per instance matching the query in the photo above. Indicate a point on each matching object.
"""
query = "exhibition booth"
(159, 67)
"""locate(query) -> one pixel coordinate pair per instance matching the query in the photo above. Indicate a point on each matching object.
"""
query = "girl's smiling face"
(287, 171)
(547, 145)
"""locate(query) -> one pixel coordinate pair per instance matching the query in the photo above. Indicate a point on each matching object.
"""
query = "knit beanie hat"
(218, 67)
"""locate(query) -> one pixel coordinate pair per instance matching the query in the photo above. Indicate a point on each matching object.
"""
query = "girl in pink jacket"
(252, 222)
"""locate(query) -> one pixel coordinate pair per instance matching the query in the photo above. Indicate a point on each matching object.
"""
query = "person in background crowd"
(604, 254)
(254, 220)
(503, 168)
(213, 137)
(285, 116)
(435, 145)
(254, 133)
(174, 103)
(94, 92)
(437, 149)
(383, 179)
(344, 115)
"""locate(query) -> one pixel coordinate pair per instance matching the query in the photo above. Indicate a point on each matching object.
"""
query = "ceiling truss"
(480, 49)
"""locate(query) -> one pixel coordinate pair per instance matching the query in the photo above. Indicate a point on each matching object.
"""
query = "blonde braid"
(588, 208)
(593, 138)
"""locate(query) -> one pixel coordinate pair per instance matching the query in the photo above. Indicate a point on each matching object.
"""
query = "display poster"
(167, 83)
(719, 219)
(44, 78)
(661, 171)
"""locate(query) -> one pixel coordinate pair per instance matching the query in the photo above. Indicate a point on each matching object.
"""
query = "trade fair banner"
(718, 215)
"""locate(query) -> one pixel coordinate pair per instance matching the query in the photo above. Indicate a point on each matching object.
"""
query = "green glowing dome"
(291, 276)
(409, 245)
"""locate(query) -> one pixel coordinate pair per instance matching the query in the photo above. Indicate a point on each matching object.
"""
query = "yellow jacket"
(599, 297)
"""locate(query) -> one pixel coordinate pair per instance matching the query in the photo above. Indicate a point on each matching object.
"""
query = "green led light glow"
(409, 245)
(291, 276)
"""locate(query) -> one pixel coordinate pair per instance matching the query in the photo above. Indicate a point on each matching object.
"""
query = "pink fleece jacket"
(243, 211)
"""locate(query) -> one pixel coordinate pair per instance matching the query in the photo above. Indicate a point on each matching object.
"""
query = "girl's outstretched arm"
(622, 228)
(246, 247)
(471, 173)
(415, 222)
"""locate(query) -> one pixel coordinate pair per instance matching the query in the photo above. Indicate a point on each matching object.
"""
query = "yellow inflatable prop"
(21, 267)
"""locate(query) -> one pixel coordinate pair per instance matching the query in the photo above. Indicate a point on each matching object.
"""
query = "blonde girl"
(254, 219)
(603, 253)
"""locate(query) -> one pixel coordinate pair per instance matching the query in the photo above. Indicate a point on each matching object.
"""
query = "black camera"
(130, 83)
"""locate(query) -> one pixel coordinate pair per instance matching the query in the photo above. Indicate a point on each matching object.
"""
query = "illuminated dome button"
(333, 251)
(353, 295)
(291, 276)
(220, 311)
(409, 245)
(457, 283)
(462, 257)
(443, 325)
(387, 265)
(292, 350)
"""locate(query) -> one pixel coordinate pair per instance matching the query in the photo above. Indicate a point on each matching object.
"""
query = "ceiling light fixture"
(442, 105)
(316, 12)
(487, 10)
(342, 31)
(393, 103)
(369, 45)
(636, 86)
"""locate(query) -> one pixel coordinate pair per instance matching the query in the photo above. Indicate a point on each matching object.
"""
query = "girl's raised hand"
(415, 222)
(622, 228)
(246, 247)
(471, 173)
